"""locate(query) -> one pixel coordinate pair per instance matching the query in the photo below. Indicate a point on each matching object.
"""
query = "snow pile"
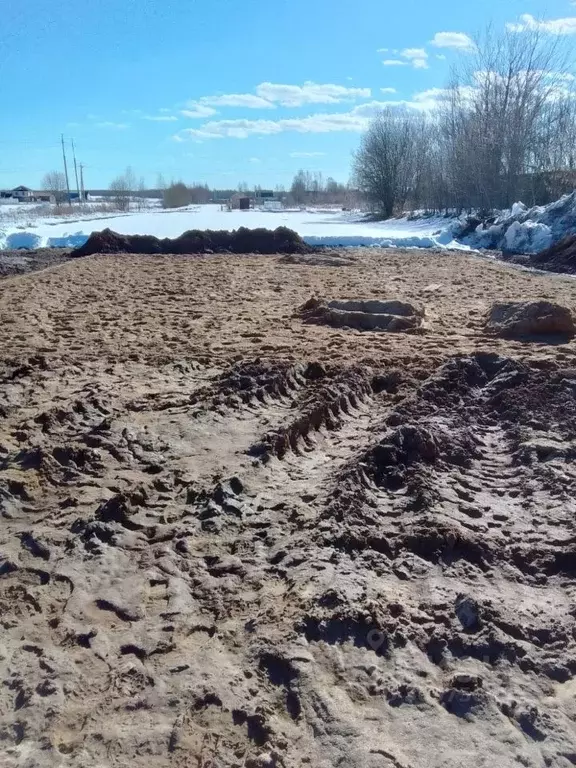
(315, 226)
(519, 230)
(522, 229)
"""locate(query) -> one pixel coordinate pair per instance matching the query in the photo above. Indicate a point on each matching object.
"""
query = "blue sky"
(223, 91)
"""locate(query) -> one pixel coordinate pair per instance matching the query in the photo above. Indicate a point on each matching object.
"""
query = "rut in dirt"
(281, 545)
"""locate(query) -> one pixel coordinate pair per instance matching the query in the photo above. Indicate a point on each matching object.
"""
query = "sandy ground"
(230, 538)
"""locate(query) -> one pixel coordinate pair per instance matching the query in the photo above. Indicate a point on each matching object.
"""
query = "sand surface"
(231, 538)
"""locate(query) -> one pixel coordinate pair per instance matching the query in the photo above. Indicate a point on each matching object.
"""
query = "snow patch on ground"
(316, 226)
(519, 230)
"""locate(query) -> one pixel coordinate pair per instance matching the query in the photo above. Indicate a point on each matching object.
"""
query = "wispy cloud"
(387, 90)
(241, 129)
(310, 93)
(248, 100)
(255, 160)
(457, 40)
(161, 118)
(272, 95)
(307, 154)
(394, 63)
(195, 110)
(527, 23)
(112, 125)
(355, 120)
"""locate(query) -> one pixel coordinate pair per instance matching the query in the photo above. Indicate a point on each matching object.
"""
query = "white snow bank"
(522, 229)
(519, 230)
(317, 227)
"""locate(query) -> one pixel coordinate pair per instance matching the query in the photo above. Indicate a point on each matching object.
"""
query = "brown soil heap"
(231, 539)
(368, 315)
(528, 319)
(560, 257)
(242, 240)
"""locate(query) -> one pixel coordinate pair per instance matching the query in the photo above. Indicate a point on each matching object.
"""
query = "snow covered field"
(317, 227)
(520, 230)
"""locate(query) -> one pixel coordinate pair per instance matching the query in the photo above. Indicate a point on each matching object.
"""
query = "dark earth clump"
(560, 257)
(19, 262)
(528, 320)
(242, 240)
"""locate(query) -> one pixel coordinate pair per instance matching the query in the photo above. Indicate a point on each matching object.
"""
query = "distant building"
(44, 197)
(272, 205)
(23, 194)
(239, 202)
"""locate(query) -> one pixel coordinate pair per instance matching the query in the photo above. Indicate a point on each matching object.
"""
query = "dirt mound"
(369, 315)
(242, 240)
(560, 257)
(529, 319)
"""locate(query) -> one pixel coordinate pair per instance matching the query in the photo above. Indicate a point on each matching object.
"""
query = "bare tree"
(499, 107)
(504, 130)
(121, 193)
(299, 188)
(384, 164)
(160, 182)
(55, 183)
(123, 186)
(141, 193)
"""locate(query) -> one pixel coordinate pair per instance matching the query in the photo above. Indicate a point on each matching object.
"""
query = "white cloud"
(529, 23)
(247, 100)
(255, 160)
(416, 56)
(309, 93)
(307, 154)
(355, 120)
(110, 124)
(387, 90)
(161, 118)
(441, 57)
(394, 63)
(432, 98)
(196, 110)
(241, 129)
(458, 40)
(272, 95)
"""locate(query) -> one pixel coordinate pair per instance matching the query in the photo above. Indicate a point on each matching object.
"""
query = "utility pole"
(76, 171)
(82, 191)
(66, 171)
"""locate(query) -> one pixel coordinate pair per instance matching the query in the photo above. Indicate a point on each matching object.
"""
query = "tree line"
(503, 130)
(126, 190)
(311, 188)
